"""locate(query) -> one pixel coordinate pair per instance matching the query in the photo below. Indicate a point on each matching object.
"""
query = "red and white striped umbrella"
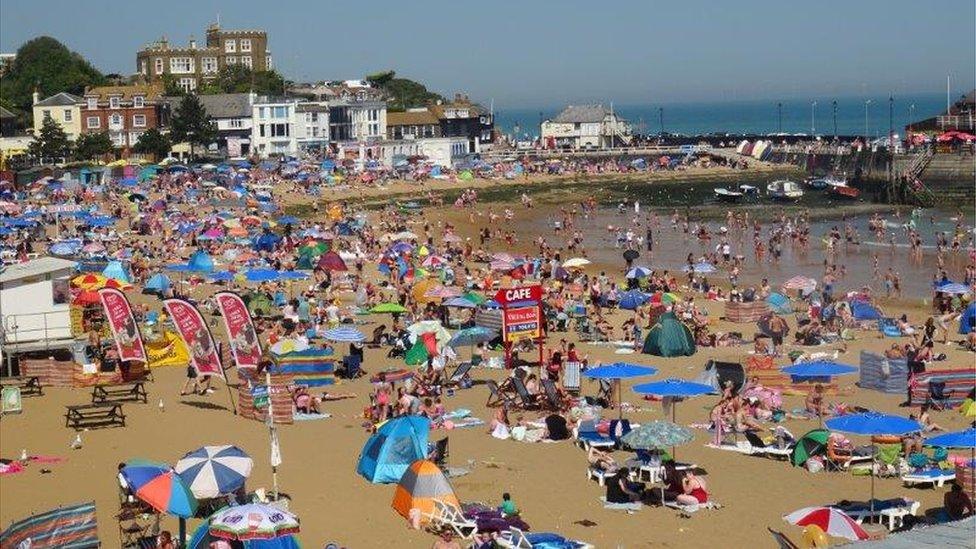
(833, 522)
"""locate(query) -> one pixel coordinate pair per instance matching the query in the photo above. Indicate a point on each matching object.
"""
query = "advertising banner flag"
(193, 329)
(244, 344)
(125, 331)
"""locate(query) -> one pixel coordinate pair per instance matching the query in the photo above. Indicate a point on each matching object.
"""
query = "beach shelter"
(967, 322)
(115, 270)
(200, 262)
(809, 445)
(862, 310)
(717, 374)
(421, 484)
(779, 303)
(396, 444)
(669, 337)
(158, 284)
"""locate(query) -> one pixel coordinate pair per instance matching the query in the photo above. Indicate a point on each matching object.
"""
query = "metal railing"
(54, 326)
(957, 121)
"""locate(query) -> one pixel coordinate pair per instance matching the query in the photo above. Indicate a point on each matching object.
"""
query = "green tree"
(403, 93)
(171, 88)
(50, 67)
(241, 79)
(93, 145)
(51, 143)
(153, 142)
(191, 124)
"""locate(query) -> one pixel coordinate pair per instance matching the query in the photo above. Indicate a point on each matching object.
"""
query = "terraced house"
(125, 112)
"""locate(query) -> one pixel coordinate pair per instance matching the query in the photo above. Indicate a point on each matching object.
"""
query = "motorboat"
(784, 189)
(840, 188)
(727, 195)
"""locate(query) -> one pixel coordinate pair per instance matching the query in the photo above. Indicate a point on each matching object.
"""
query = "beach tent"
(967, 322)
(717, 373)
(393, 448)
(421, 484)
(862, 310)
(200, 262)
(669, 337)
(115, 270)
(158, 284)
(779, 304)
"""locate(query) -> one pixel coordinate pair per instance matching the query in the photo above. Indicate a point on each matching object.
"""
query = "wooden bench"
(29, 385)
(133, 390)
(81, 416)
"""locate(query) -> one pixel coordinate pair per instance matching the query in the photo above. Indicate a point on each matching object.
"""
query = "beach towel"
(301, 416)
(629, 507)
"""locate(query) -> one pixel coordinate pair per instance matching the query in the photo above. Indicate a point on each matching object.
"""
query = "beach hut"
(669, 337)
(967, 322)
(421, 484)
(396, 444)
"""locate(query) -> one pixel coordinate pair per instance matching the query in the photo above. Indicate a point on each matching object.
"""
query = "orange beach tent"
(420, 485)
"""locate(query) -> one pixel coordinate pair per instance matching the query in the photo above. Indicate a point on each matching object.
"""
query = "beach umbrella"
(809, 445)
(617, 371)
(252, 521)
(831, 520)
(873, 424)
(390, 308)
(64, 248)
(639, 272)
(475, 298)
(632, 299)
(261, 275)
(434, 262)
(211, 471)
(459, 302)
(289, 345)
(344, 334)
(665, 297)
(472, 336)
(158, 485)
(576, 263)
(630, 255)
(954, 288)
(86, 297)
(675, 389)
(202, 539)
(657, 435)
(958, 439)
(442, 292)
(331, 261)
(421, 484)
(221, 276)
(89, 282)
(702, 267)
(93, 248)
(819, 368)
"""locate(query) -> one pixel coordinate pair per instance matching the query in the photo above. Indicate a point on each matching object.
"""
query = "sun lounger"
(514, 538)
(761, 448)
(843, 462)
(936, 477)
(890, 512)
(599, 475)
(587, 436)
(448, 517)
(571, 376)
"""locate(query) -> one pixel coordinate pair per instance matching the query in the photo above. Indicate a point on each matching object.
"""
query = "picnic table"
(29, 385)
(131, 390)
(80, 416)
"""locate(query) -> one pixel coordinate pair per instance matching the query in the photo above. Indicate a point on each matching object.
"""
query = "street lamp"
(891, 122)
(834, 104)
(813, 118)
(660, 115)
(779, 108)
(866, 103)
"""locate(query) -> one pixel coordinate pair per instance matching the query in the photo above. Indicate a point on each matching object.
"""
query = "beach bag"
(815, 465)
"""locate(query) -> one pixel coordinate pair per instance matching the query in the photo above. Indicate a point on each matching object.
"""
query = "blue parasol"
(639, 272)
(957, 439)
(617, 371)
(262, 275)
(344, 335)
(673, 387)
(819, 368)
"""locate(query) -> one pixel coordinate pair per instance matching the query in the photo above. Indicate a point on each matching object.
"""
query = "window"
(187, 84)
(67, 115)
(279, 130)
(246, 61)
(261, 130)
(235, 123)
(262, 112)
(115, 121)
(114, 102)
(159, 65)
(280, 112)
(142, 66)
(138, 101)
(231, 60)
(46, 114)
(209, 65)
(118, 139)
(245, 44)
(230, 46)
(180, 65)
(138, 121)
(267, 63)
(93, 122)
(92, 103)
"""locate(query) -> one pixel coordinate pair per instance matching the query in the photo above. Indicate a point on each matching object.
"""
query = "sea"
(810, 116)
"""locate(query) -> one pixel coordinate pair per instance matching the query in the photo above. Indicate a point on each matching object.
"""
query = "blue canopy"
(673, 387)
(158, 282)
(953, 288)
(967, 322)
(957, 439)
(115, 270)
(221, 276)
(201, 262)
(639, 272)
(862, 310)
(620, 370)
(262, 275)
(819, 368)
(633, 299)
(68, 247)
(873, 423)
(395, 445)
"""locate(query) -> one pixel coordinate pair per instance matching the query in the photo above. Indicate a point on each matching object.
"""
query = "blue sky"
(530, 53)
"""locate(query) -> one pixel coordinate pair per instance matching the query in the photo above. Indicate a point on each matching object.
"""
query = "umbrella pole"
(674, 419)
(874, 461)
(620, 398)
(182, 532)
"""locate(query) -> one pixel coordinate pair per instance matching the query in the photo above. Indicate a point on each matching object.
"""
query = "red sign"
(522, 323)
(125, 331)
(520, 293)
(244, 344)
(193, 329)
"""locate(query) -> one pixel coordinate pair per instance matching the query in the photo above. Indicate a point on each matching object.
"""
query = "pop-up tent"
(390, 451)
(158, 284)
(717, 373)
(669, 337)
(779, 304)
(862, 310)
(420, 485)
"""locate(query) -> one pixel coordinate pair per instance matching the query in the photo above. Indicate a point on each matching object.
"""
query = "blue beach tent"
(389, 453)
(115, 270)
(863, 310)
(779, 304)
(157, 284)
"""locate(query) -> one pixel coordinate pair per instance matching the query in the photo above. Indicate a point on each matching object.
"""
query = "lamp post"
(834, 104)
(813, 118)
(891, 123)
(867, 102)
(660, 115)
(779, 108)
(911, 116)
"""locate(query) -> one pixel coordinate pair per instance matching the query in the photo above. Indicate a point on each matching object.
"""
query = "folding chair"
(552, 397)
(571, 376)
(461, 375)
(938, 397)
(448, 517)
(525, 399)
(496, 396)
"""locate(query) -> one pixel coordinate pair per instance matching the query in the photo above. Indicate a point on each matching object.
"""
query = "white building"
(443, 151)
(312, 129)
(584, 127)
(357, 120)
(35, 311)
(274, 126)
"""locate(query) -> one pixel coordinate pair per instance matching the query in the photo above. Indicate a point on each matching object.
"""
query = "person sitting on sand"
(600, 459)
(814, 402)
(957, 503)
(507, 507)
(499, 427)
(926, 420)
(621, 490)
(904, 326)
(694, 491)
(305, 402)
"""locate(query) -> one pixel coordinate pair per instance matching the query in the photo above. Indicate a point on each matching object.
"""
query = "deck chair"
(497, 396)
(783, 541)
(525, 399)
(448, 517)
(759, 447)
(842, 462)
(552, 398)
(461, 375)
(938, 396)
(351, 367)
(606, 391)
(571, 376)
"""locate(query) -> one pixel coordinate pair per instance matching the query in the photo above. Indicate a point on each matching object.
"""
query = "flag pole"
(230, 394)
(273, 436)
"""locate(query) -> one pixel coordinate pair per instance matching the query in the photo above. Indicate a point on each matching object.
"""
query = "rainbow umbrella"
(158, 485)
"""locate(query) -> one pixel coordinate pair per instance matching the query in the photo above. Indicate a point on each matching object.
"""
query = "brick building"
(193, 64)
(125, 112)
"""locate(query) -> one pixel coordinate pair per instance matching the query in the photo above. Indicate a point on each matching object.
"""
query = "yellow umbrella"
(89, 282)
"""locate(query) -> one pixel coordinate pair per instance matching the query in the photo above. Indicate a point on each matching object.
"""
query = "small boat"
(840, 188)
(784, 190)
(727, 195)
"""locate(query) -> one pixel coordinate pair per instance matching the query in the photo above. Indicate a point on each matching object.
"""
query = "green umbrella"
(394, 308)
(657, 435)
(809, 445)
(475, 298)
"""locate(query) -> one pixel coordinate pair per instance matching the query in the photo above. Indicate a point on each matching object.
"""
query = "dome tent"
(389, 452)
(862, 310)
(669, 337)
